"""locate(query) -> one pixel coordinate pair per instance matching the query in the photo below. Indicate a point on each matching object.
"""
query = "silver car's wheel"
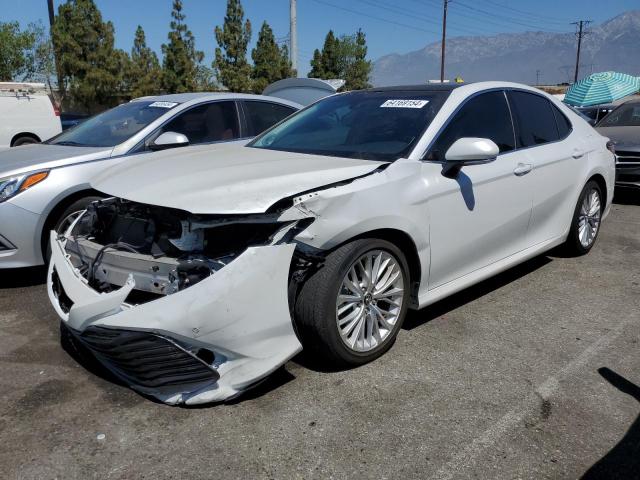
(369, 301)
(66, 222)
(589, 218)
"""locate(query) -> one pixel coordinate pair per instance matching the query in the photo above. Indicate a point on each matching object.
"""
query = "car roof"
(424, 87)
(205, 96)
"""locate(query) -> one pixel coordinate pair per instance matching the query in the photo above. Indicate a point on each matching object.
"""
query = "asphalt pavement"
(533, 374)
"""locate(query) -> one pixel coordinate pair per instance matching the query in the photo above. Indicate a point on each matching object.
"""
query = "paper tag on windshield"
(163, 104)
(404, 103)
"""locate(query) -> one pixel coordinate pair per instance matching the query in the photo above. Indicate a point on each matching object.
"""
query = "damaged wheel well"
(404, 242)
(55, 213)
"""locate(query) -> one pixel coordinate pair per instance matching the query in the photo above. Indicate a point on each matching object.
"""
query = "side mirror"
(469, 151)
(169, 140)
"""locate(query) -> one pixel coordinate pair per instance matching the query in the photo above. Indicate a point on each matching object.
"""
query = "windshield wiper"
(71, 144)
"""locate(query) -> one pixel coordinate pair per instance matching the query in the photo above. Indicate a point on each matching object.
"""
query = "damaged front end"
(186, 308)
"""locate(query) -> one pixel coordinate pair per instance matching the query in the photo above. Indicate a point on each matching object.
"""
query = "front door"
(482, 215)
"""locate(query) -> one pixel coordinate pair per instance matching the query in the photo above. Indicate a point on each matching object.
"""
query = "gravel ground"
(532, 374)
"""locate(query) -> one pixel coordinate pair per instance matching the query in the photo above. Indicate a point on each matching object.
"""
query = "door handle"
(578, 153)
(523, 169)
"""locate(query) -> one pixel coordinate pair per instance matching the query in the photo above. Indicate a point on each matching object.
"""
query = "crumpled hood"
(624, 138)
(224, 179)
(39, 156)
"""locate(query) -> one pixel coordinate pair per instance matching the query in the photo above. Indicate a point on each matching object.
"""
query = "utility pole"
(581, 24)
(52, 19)
(537, 77)
(293, 35)
(444, 38)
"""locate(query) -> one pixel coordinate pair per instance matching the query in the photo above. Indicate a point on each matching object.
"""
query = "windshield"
(627, 115)
(383, 125)
(114, 126)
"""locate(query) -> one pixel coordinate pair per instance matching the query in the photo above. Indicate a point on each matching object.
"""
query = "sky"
(391, 26)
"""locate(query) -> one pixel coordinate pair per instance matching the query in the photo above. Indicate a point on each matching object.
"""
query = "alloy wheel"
(589, 218)
(370, 300)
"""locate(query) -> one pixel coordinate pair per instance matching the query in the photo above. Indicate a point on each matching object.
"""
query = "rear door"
(481, 216)
(543, 136)
(261, 115)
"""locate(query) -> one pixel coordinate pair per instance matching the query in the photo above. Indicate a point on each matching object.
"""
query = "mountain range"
(611, 45)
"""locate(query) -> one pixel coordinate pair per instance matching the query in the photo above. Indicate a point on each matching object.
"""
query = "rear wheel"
(24, 141)
(587, 216)
(349, 312)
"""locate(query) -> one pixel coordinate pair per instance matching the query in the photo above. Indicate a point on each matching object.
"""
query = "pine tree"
(270, 62)
(231, 66)
(357, 68)
(181, 59)
(144, 72)
(326, 64)
(343, 58)
(90, 66)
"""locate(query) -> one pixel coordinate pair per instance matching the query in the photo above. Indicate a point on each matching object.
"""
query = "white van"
(27, 114)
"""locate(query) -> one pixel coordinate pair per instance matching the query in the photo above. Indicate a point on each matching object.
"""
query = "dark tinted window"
(212, 122)
(535, 122)
(382, 125)
(563, 123)
(483, 116)
(626, 115)
(262, 115)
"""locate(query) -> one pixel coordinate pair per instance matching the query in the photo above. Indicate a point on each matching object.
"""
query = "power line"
(581, 25)
(362, 14)
(505, 18)
(408, 13)
(537, 16)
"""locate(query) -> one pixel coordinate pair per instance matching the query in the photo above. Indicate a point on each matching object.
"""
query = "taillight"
(611, 147)
(56, 111)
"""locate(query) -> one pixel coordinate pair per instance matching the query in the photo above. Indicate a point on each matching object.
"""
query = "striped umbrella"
(604, 87)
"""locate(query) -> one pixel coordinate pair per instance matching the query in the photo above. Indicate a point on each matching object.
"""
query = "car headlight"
(11, 186)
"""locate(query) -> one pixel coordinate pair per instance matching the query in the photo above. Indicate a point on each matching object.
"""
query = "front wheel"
(349, 312)
(587, 217)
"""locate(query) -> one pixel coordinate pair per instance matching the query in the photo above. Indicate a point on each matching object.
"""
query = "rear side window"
(534, 119)
(562, 122)
(483, 116)
(263, 115)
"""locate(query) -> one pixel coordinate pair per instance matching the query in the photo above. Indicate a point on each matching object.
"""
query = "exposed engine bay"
(165, 250)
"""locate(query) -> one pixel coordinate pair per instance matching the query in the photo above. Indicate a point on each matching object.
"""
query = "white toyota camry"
(209, 267)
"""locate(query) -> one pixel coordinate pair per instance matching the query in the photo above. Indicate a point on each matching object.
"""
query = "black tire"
(315, 306)
(24, 141)
(60, 220)
(573, 246)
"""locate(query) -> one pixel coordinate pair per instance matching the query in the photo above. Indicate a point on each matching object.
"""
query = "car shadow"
(623, 460)
(417, 318)
(23, 277)
(627, 196)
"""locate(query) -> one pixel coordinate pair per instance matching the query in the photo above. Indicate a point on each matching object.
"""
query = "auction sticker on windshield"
(163, 104)
(404, 103)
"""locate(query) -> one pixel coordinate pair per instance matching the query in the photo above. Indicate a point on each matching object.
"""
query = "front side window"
(114, 126)
(627, 115)
(212, 122)
(483, 116)
(534, 119)
(264, 115)
(369, 125)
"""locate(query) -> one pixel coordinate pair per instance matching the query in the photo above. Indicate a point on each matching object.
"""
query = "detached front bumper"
(206, 343)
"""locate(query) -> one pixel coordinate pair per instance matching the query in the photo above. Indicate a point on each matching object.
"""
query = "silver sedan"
(45, 186)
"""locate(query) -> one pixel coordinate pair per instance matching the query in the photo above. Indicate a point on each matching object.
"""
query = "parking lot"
(521, 376)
